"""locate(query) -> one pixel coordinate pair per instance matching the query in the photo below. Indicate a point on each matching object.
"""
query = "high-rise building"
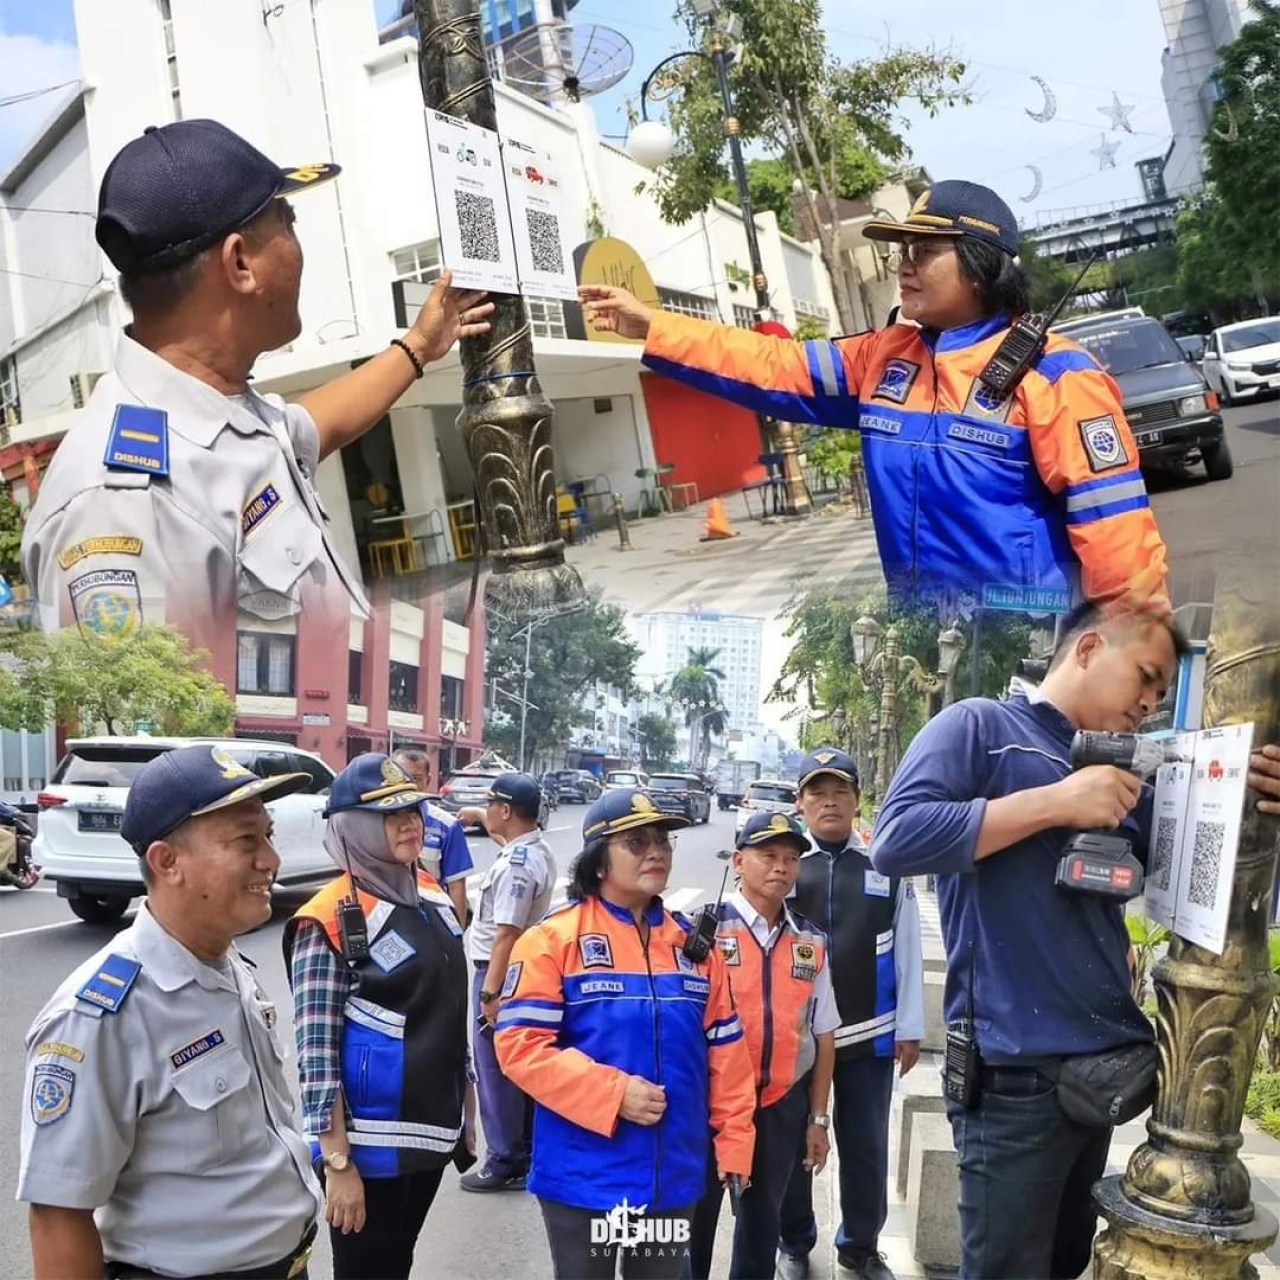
(498, 18)
(1194, 31)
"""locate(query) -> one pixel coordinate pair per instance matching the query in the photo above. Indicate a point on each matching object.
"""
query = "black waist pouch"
(1105, 1089)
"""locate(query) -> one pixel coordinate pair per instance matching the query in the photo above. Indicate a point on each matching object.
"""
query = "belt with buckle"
(287, 1268)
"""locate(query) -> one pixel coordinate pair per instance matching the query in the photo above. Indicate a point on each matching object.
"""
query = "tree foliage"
(656, 736)
(836, 127)
(841, 706)
(1228, 246)
(695, 688)
(567, 656)
(152, 675)
(12, 520)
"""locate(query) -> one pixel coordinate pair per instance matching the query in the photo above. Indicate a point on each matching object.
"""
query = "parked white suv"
(766, 795)
(78, 840)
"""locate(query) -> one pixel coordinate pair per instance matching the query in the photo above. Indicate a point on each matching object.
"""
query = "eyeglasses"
(917, 252)
(638, 843)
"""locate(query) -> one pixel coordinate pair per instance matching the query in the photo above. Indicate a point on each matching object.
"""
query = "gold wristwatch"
(339, 1161)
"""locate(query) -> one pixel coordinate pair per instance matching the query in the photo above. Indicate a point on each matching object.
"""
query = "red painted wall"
(710, 442)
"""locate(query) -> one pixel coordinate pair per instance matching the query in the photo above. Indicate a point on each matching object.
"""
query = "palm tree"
(696, 688)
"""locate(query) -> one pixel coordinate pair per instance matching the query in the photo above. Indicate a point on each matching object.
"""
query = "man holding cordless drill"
(985, 799)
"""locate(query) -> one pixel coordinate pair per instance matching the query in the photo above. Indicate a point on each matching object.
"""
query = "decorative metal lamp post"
(1183, 1208)
(882, 664)
(651, 144)
(506, 417)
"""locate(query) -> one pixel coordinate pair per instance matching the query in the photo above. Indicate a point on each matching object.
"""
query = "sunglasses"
(638, 843)
(918, 253)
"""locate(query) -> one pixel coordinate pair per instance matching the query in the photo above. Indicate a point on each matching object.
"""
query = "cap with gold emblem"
(622, 810)
(828, 760)
(373, 781)
(760, 828)
(188, 782)
(953, 209)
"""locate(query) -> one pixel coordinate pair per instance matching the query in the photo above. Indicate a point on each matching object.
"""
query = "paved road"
(40, 942)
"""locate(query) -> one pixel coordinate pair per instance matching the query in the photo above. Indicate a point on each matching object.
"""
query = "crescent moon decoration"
(1232, 131)
(1037, 184)
(1050, 104)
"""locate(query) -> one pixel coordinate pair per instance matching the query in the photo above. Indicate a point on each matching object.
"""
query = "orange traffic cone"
(717, 523)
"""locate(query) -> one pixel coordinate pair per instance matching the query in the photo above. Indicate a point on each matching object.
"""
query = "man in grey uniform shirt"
(157, 1126)
(181, 493)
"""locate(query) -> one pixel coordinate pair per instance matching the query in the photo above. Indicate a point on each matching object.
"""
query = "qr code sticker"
(479, 226)
(1166, 835)
(1205, 859)
(544, 240)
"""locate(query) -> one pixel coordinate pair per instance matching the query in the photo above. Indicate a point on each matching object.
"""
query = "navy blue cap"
(953, 209)
(181, 187)
(760, 828)
(519, 788)
(373, 781)
(828, 760)
(188, 782)
(624, 809)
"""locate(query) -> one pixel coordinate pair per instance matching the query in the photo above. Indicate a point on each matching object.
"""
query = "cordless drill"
(1102, 862)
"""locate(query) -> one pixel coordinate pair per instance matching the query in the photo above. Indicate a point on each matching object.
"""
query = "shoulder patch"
(518, 856)
(1103, 443)
(109, 988)
(51, 1090)
(107, 603)
(59, 1049)
(512, 980)
(727, 945)
(897, 377)
(596, 951)
(139, 440)
(112, 544)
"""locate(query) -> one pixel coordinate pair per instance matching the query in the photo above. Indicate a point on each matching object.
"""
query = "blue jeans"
(863, 1091)
(1026, 1180)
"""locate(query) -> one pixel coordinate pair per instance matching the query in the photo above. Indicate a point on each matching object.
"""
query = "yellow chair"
(462, 524)
(569, 513)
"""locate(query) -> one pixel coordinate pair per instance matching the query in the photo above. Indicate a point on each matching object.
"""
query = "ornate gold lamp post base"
(1183, 1208)
(1140, 1245)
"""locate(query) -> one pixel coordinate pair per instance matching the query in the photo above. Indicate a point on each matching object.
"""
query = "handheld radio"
(353, 928)
(702, 937)
(1023, 344)
(962, 1064)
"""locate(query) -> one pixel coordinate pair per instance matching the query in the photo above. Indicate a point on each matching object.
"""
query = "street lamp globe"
(651, 144)
(866, 634)
(950, 647)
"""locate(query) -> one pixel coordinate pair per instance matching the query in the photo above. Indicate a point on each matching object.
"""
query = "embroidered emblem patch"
(450, 920)
(824, 757)
(258, 508)
(51, 1090)
(107, 603)
(804, 961)
(683, 963)
(596, 951)
(512, 980)
(231, 767)
(982, 402)
(139, 440)
(728, 947)
(896, 380)
(110, 986)
(391, 950)
(640, 803)
(197, 1049)
(393, 775)
(876, 884)
(115, 544)
(1103, 443)
(58, 1048)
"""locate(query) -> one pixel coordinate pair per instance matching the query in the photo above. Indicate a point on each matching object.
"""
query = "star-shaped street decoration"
(1106, 153)
(1118, 113)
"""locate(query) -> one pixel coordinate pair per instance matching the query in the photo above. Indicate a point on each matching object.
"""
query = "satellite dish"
(554, 60)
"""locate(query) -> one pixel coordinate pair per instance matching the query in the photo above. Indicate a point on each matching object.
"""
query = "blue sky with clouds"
(1103, 46)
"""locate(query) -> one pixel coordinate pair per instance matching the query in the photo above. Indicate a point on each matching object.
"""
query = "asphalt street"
(467, 1235)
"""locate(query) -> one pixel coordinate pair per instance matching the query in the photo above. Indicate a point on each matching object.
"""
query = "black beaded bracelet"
(404, 346)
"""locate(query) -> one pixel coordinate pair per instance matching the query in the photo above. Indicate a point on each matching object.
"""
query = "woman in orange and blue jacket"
(631, 1052)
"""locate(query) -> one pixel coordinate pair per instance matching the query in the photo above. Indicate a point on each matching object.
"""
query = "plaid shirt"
(321, 984)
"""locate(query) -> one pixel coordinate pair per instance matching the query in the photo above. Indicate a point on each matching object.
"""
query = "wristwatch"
(487, 997)
(823, 1121)
(338, 1161)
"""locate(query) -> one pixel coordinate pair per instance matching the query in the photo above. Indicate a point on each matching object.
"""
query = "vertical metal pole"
(506, 417)
(975, 666)
(524, 688)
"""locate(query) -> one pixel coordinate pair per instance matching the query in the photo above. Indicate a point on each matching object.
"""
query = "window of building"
(171, 56)
(689, 304)
(265, 663)
(420, 262)
(355, 676)
(546, 317)
(9, 405)
(743, 317)
(403, 691)
(452, 691)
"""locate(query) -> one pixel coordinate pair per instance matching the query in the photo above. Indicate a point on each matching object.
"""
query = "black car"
(577, 786)
(1169, 406)
(683, 793)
